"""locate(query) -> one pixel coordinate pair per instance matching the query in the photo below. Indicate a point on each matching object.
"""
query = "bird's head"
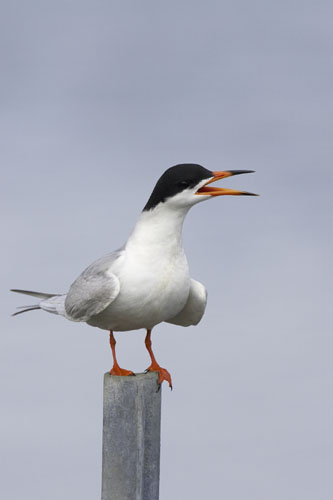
(186, 184)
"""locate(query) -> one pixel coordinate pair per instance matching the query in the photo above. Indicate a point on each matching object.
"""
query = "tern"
(146, 281)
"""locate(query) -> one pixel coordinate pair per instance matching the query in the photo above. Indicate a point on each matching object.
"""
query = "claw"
(163, 374)
(121, 372)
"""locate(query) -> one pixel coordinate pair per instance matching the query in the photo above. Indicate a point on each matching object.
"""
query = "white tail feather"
(51, 302)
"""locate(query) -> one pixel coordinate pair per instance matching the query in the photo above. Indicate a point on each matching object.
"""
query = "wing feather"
(194, 308)
(93, 290)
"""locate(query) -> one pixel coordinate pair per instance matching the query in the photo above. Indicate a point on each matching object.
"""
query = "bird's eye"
(183, 184)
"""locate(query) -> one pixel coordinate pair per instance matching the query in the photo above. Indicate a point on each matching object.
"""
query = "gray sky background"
(97, 100)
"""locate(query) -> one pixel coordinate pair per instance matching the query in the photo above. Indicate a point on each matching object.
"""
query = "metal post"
(131, 437)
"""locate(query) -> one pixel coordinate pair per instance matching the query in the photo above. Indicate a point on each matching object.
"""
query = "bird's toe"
(121, 372)
(163, 374)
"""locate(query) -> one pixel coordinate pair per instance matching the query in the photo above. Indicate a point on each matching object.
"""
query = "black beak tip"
(238, 172)
(246, 193)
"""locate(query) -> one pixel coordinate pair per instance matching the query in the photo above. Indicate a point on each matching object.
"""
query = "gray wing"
(194, 308)
(93, 290)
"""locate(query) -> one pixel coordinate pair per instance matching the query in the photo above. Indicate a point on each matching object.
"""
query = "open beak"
(215, 191)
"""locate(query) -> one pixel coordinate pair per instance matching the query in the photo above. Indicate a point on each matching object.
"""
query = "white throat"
(159, 228)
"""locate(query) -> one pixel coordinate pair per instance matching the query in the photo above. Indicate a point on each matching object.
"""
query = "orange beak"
(215, 191)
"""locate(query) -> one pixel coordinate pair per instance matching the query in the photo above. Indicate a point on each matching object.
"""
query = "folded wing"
(194, 308)
(93, 291)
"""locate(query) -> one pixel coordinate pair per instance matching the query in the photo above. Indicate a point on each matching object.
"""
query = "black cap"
(175, 180)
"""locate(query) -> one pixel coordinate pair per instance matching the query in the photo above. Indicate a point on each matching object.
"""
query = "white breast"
(151, 291)
(154, 278)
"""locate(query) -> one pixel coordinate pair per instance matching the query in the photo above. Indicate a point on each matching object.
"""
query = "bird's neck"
(159, 228)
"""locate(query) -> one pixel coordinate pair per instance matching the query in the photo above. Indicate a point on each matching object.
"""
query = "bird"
(146, 281)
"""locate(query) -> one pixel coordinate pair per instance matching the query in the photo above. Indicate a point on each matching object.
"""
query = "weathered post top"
(131, 437)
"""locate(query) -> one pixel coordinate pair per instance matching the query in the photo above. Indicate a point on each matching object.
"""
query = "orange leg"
(155, 367)
(116, 370)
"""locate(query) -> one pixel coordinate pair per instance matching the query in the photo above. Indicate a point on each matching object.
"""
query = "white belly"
(151, 291)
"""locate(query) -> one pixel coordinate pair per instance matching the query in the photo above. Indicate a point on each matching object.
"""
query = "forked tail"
(45, 303)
